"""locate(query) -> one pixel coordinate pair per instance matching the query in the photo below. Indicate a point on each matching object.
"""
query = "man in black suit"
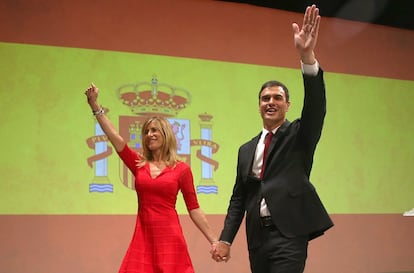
(283, 210)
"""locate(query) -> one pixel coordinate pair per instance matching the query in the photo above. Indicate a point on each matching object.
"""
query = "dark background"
(393, 13)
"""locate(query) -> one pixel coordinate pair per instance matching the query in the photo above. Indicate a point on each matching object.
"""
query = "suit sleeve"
(313, 112)
(236, 209)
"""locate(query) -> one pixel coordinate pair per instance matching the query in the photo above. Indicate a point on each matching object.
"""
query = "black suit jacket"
(291, 198)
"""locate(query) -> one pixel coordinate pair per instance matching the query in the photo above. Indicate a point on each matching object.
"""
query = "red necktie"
(267, 143)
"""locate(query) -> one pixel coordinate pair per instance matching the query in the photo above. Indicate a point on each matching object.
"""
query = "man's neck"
(273, 126)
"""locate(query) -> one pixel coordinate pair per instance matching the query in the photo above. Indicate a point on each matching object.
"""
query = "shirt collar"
(265, 131)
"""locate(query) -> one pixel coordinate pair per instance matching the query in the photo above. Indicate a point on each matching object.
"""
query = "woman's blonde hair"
(169, 146)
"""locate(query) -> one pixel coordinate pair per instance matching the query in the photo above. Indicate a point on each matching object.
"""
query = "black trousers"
(279, 254)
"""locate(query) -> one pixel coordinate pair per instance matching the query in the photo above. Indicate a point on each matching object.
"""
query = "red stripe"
(207, 29)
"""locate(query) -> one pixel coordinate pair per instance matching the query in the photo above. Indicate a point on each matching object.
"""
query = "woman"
(158, 244)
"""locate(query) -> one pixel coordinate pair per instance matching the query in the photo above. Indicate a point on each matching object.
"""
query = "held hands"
(306, 37)
(220, 252)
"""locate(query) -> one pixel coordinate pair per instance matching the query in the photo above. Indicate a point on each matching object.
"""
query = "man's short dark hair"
(275, 83)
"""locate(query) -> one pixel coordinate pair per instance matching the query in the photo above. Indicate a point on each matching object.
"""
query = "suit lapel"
(251, 150)
(252, 144)
(276, 140)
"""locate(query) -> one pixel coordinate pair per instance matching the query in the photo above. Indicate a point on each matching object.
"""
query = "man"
(283, 210)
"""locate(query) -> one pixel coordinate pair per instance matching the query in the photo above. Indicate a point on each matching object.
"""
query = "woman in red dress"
(158, 244)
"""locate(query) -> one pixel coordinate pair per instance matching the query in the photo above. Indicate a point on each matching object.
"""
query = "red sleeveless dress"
(158, 244)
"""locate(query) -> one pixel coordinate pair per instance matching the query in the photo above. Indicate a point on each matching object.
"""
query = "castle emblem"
(146, 99)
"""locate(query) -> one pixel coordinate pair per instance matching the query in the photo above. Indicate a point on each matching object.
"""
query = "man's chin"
(271, 118)
(271, 121)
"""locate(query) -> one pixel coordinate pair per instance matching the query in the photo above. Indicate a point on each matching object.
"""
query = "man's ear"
(288, 106)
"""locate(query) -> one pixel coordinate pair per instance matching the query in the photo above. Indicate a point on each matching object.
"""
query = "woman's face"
(154, 138)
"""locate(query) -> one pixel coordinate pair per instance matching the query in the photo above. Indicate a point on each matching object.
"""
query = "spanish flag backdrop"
(67, 203)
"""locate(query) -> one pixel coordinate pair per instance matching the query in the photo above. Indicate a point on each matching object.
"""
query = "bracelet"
(99, 112)
(225, 242)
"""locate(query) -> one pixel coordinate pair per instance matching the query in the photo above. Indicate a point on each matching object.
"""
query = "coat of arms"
(146, 99)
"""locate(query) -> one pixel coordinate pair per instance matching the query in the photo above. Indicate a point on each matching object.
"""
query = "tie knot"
(269, 136)
(268, 139)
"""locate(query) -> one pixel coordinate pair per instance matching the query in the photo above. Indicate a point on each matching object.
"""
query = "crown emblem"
(154, 98)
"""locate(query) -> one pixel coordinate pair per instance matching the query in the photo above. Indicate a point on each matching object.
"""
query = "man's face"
(273, 106)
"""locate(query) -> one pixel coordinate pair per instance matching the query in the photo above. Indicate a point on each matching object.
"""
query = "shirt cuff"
(310, 69)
